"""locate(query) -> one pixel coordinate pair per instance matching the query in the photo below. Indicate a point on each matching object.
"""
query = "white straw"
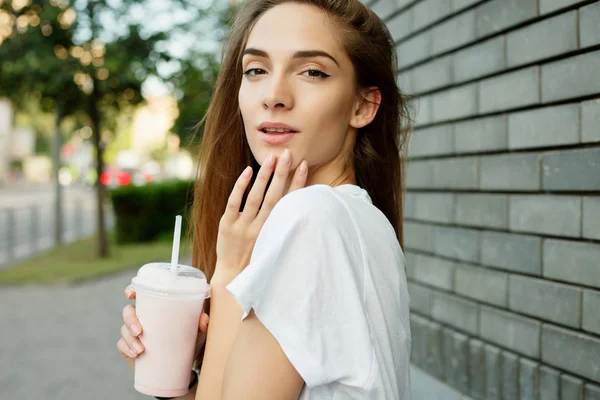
(176, 240)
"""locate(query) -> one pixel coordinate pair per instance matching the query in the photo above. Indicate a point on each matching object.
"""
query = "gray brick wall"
(549, 383)
(547, 38)
(502, 221)
(571, 77)
(547, 126)
(571, 387)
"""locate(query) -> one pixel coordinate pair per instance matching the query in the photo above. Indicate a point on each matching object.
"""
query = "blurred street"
(27, 219)
(59, 342)
(22, 194)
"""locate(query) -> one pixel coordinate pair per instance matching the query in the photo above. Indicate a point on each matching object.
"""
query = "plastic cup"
(168, 307)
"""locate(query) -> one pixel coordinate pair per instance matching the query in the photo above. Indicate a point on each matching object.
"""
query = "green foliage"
(16, 165)
(195, 81)
(42, 145)
(72, 62)
(197, 85)
(36, 70)
(146, 213)
(91, 67)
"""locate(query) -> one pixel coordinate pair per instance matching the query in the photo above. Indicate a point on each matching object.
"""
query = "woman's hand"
(238, 230)
(130, 345)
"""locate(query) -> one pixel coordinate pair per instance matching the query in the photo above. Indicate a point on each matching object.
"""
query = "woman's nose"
(278, 93)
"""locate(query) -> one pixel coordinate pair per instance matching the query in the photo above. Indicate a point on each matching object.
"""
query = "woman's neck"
(338, 171)
(332, 174)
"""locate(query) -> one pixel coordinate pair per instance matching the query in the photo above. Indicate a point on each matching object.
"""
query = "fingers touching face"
(281, 184)
(259, 204)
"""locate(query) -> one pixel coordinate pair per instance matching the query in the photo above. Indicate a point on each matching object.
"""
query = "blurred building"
(151, 125)
(21, 143)
(154, 150)
(16, 144)
(6, 121)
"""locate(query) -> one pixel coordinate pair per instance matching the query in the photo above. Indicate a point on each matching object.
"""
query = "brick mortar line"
(582, 216)
(580, 309)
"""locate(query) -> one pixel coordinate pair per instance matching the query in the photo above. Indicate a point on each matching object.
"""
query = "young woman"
(309, 294)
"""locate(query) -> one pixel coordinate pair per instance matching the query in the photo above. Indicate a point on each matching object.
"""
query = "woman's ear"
(366, 107)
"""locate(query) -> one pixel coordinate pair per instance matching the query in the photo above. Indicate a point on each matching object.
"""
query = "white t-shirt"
(327, 279)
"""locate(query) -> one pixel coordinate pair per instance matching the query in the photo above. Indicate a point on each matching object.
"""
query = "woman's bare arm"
(242, 359)
(257, 368)
(225, 321)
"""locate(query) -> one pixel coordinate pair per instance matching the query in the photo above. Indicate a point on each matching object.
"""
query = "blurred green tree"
(195, 85)
(89, 58)
(195, 80)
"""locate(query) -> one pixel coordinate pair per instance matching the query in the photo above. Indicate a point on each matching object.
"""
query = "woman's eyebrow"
(298, 54)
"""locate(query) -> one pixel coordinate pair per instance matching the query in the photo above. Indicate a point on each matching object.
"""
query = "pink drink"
(168, 309)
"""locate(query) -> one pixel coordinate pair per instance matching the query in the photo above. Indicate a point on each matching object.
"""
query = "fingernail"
(247, 172)
(137, 347)
(303, 168)
(135, 328)
(132, 353)
(285, 157)
(270, 161)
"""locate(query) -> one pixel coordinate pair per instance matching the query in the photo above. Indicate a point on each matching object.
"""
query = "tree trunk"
(58, 215)
(94, 113)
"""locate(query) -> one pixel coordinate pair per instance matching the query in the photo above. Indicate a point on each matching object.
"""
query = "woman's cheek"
(242, 100)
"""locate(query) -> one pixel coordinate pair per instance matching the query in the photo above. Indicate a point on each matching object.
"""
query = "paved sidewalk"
(59, 343)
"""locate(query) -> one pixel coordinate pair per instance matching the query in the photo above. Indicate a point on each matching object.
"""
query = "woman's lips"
(276, 138)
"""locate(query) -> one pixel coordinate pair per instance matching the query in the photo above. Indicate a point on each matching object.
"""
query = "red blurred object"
(123, 178)
(68, 150)
(105, 178)
(148, 178)
(114, 177)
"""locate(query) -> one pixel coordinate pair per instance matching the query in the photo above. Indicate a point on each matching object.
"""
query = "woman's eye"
(312, 73)
(253, 71)
(316, 74)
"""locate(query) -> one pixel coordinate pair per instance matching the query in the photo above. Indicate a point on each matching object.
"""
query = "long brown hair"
(379, 148)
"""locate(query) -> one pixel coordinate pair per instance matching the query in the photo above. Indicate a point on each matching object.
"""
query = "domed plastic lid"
(157, 279)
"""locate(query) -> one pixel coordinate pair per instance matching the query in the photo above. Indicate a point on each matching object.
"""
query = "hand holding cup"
(130, 346)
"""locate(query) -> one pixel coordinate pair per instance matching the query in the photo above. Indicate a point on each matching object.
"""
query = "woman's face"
(297, 73)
